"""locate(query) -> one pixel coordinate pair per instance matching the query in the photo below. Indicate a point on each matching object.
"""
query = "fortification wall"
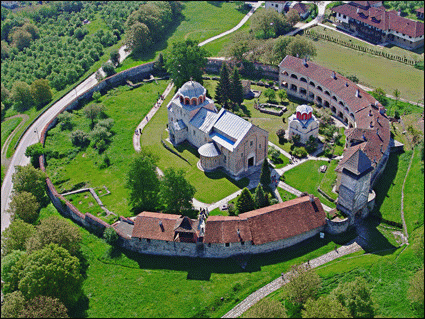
(337, 227)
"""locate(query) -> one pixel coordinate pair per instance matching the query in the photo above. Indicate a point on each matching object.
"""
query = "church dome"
(192, 89)
(209, 150)
(304, 112)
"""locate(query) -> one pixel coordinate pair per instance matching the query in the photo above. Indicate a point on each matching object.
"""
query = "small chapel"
(223, 139)
(303, 123)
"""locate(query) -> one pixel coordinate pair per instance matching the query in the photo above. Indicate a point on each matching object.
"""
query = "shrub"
(280, 134)
(299, 152)
(110, 236)
(79, 138)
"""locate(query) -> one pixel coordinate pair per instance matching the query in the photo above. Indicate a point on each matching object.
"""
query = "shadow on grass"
(385, 181)
(376, 243)
(79, 310)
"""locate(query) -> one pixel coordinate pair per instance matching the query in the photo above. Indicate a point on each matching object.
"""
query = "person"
(136, 131)
(140, 130)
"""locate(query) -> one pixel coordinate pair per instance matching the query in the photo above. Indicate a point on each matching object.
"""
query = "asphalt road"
(32, 136)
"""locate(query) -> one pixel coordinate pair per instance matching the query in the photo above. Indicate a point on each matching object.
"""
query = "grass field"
(7, 127)
(285, 195)
(201, 20)
(329, 179)
(127, 108)
(306, 178)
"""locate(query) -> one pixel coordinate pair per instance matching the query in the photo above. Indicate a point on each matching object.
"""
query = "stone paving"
(256, 296)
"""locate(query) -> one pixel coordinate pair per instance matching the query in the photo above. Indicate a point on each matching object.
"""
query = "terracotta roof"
(146, 225)
(285, 220)
(358, 163)
(185, 225)
(420, 10)
(300, 7)
(381, 19)
(223, 229)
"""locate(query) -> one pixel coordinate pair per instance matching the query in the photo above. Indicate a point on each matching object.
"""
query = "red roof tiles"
(146, 225)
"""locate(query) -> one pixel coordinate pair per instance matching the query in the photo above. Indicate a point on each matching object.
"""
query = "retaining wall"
(336, 227)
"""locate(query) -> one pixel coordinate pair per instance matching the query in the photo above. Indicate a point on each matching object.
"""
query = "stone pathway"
(256, 296)
(155, 108)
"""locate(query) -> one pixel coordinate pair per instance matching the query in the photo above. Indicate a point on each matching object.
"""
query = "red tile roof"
(146, 225)
(381, 19)
(300, 7)
(267, 224)
(420, 10)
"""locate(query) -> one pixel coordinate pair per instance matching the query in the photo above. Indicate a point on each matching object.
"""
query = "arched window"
(181, 99)
(319, 88)
(340, 103)
(334, 98)
(312, 84)
(186, 101)
(303, 80)
(194, 101)
(294, 76)
(327, 93)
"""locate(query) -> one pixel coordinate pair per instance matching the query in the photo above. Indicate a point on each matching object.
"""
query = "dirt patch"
(80, 202)
(90, 204)
(86, 196)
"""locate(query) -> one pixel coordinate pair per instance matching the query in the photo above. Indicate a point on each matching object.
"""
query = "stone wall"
(268, 71)
(335, 227)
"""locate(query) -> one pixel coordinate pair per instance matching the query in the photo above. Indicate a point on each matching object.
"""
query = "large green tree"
(245, 201)
(260, 197)
(53, 272)
(303, 284)
(15, 236)
(13, 303)
(266, 308)
(24, 206)
(143, 182)
(301, 47)
(356, 297)
(324, 307)
(176, 192)
(185, 61)
(31, 180)
(222, 91)
(21, 96)
(92, 111)
(56, 230)
(236, 90)
(10, 271)
(44, 307)
(40, 92)
(265, 176)
(33, 152)
(268, 23)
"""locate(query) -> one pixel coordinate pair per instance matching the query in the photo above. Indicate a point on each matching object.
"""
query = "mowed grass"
(7, 127)
(372, 71)
(388, 187)
(122, 284)
(201, 20)
(329, 179)
(210, 187)
(306, 178)
(285, 195)
(414, 193)
(127, 108)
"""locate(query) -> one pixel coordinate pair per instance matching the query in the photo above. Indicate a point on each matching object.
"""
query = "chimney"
(370, 112)
(382, 150)
(376, 103)
(161, 226)
(333, 75)
(358, 10)
(238, 232)
(399, 12)
(371, 124)
(377, 119)
(357, 93)
(363, 137)
(346, 84)
(305, 62)
(311, 198)
(377, 131)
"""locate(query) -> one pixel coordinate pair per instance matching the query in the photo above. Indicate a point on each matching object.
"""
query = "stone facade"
(303, 123)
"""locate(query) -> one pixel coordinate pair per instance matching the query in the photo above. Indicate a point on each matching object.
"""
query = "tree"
(65, 120)
(240, 44)
(293, 17)
(55, 230)
(266, 308)
(31, 29)
(396, 94)
(279, 50)
(143, 183)
(24, 206)
(236, 90)
(13, 303)
(108, 68)
(21, 39)
(15, 236)
(261, 199)
(295, 139)
(138, 37)
(176, 192)
(311, 144)
(416, 288)
(34, 151)
(115, 57)
(21, 96)
(356, 297)
(79, 138)
(270, 94)
(303, 284)
(324, 307)
(92, 111)
(40, 92)
(268, 23)
(99, 133)
(9, 271)
(282, 95)
(44, 307)
(186, 60)
(245, 201)
(301, 47)
(281, 135)
(31, 180)
(380, 95)
(265, 178)
(110, 236)
(53, 272)
(222, 91)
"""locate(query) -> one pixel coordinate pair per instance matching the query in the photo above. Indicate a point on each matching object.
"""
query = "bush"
(281, 135)
(299, 152)
(80, 138)
(274, 154)
(108, 68)
(110, 236)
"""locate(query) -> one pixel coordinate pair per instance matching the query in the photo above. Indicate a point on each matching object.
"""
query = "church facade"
(303, 123)
(223, 139)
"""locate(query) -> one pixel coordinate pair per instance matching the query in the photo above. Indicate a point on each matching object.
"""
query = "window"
(209, 244)
(242, 243)
(224, 158)
(250, 143)
(227, 244)
(259, 145)
(148, 240)
(241, 154)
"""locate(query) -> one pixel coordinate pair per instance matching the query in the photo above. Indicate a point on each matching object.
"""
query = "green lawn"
(388, 187)
(127, 108)
(329, 179)
(201, 20)
(283, 161)
(7, 127)
(351, 62)
(306, 178)
(285, 195)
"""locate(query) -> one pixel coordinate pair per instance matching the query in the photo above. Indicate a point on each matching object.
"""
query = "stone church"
(223, 139)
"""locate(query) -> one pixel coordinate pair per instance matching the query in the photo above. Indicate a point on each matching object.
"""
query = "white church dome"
(192, 89)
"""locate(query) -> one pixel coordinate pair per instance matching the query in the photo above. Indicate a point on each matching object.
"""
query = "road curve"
(32, 136)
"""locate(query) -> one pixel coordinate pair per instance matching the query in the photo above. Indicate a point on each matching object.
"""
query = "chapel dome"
(192, 89)
(209, 150)
(304, 112)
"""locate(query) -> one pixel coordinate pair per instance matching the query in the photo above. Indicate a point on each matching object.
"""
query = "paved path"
(4, 160)
(139, 129)
(255, 6)
(279, 282)
(321, 7)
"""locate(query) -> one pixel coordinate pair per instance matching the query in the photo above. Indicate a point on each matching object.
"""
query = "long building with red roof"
(370, 21)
